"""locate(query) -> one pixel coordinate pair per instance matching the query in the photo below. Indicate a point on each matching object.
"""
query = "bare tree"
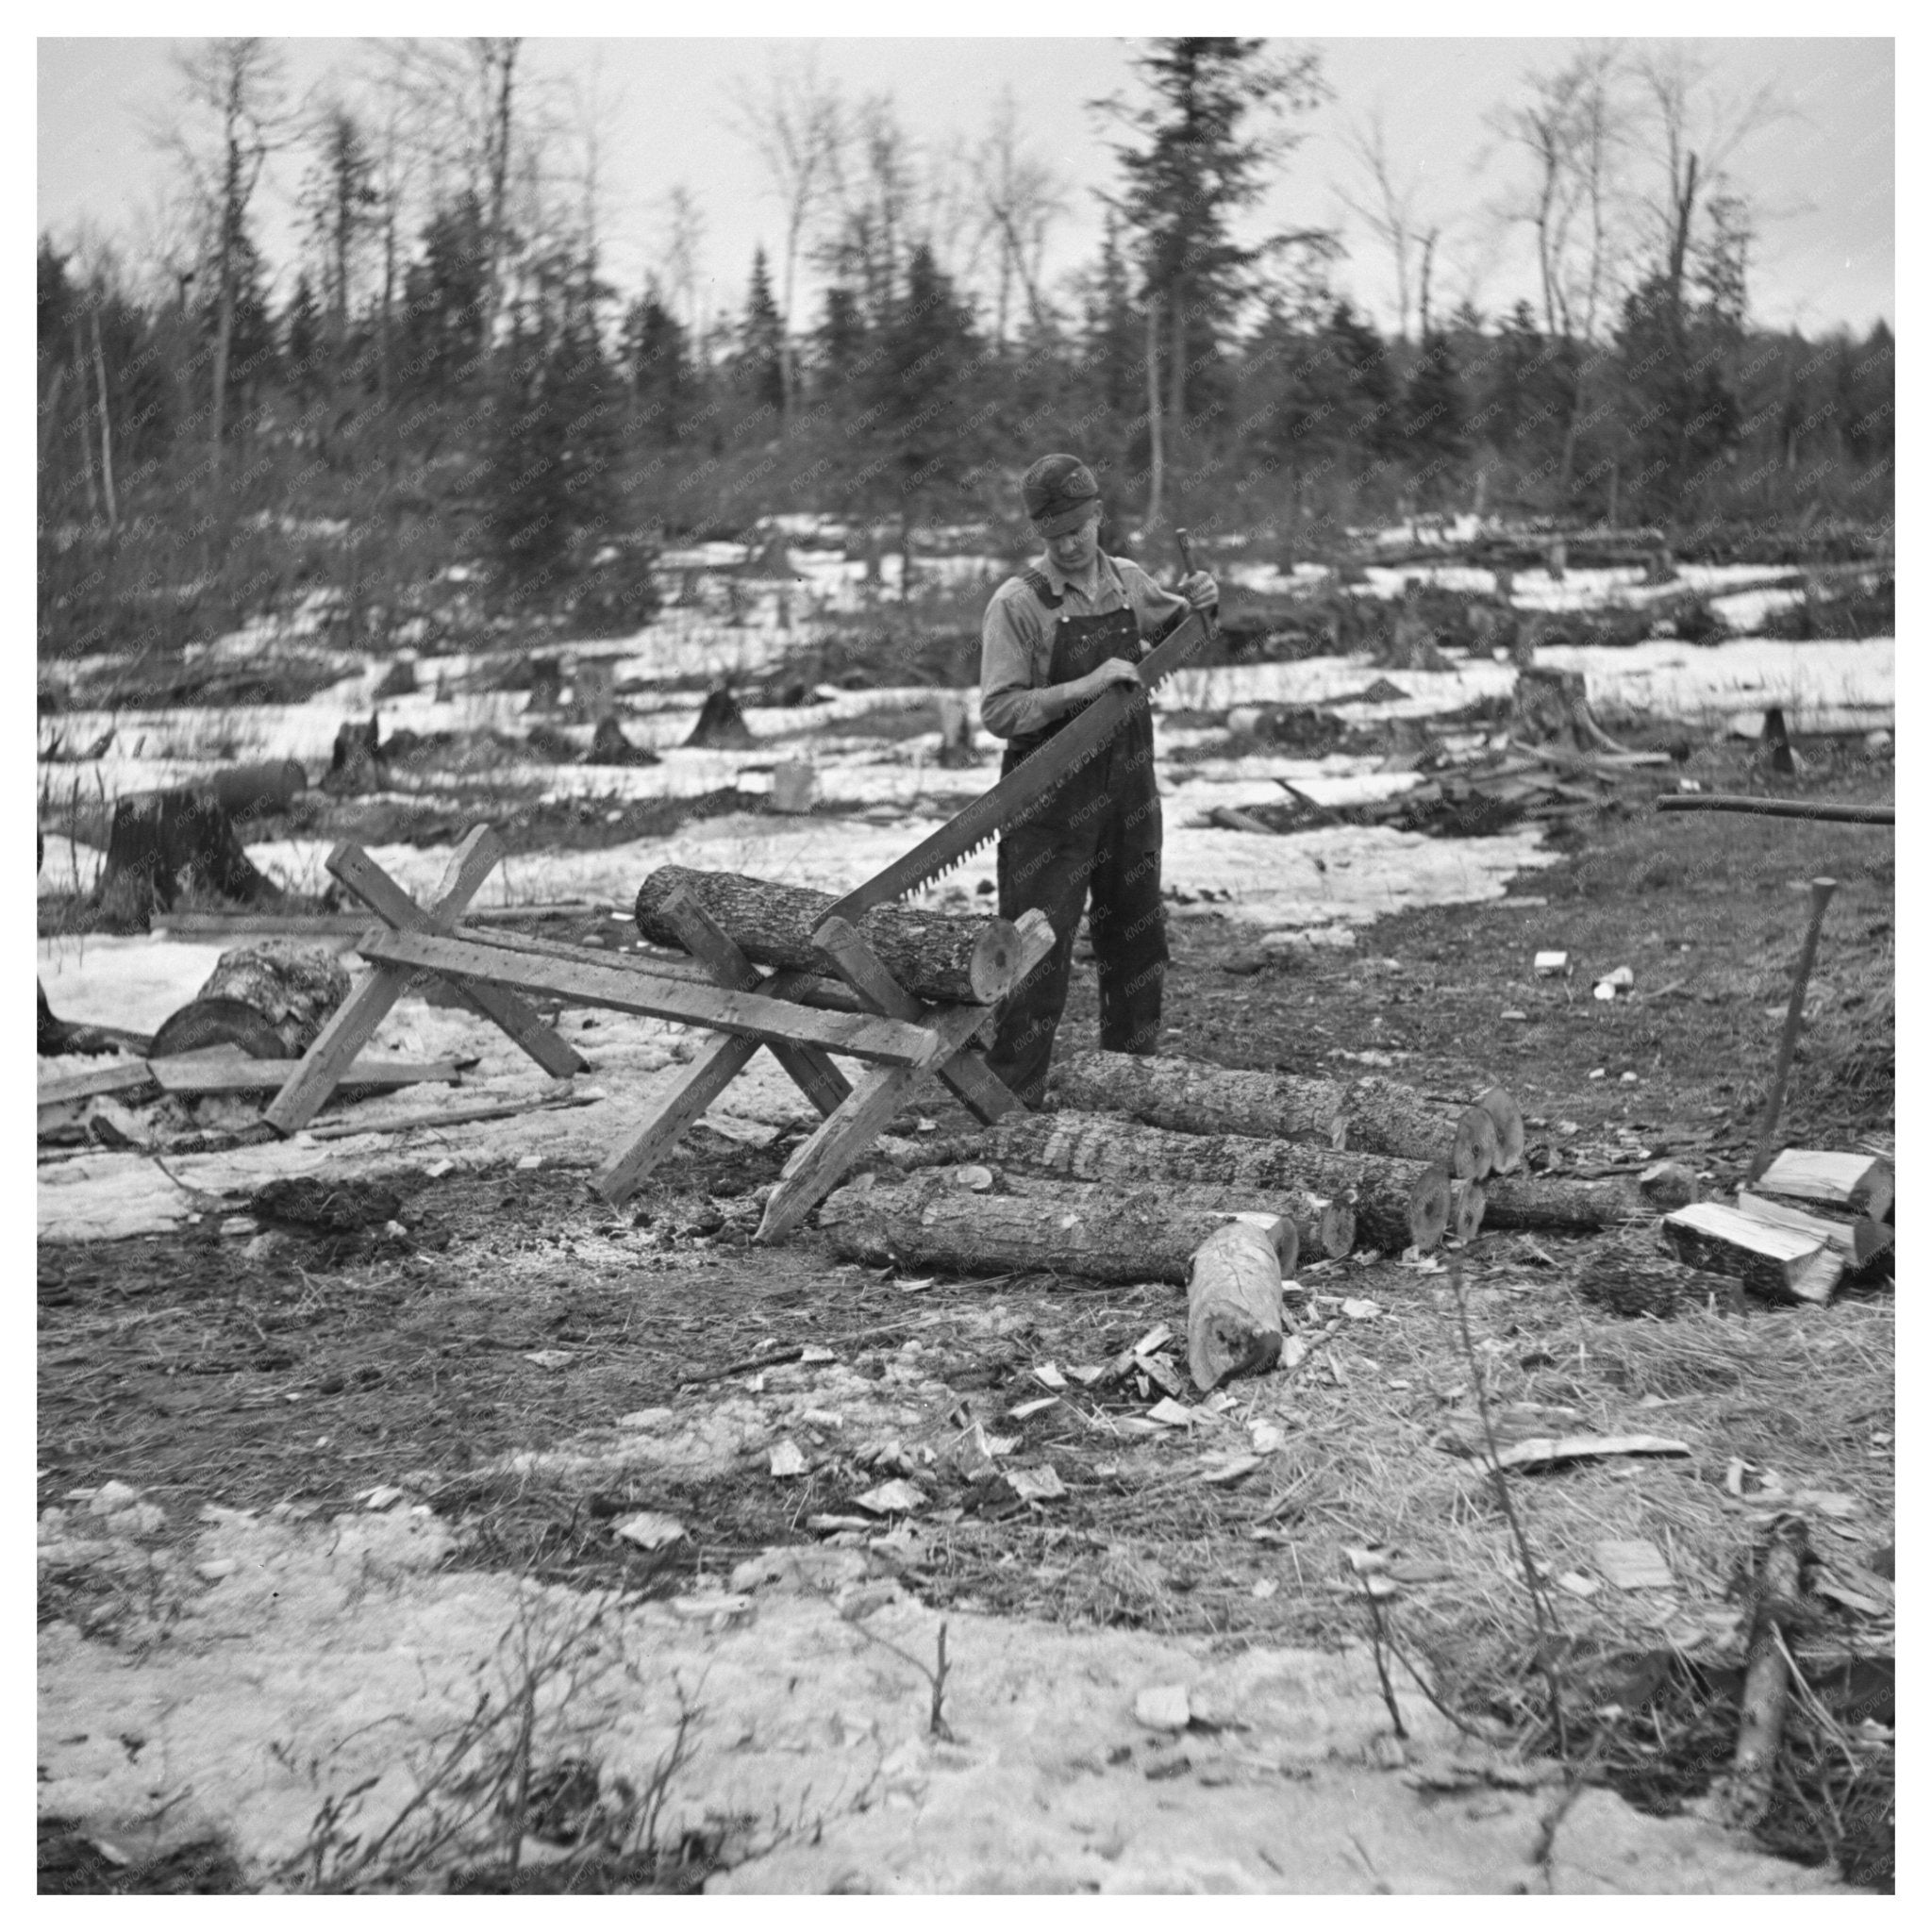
(237, 116)
(1575, 129)
(1020, 198)
(1387, 208)
(796, 126)
(875, 188)
(1698, 130)
(684, 242)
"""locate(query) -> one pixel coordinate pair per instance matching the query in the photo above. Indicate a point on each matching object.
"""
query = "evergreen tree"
(1361, 358)
(655, 355)
(302, 341)
(1435, 408)
(839, 342)
(761, 350)
(1194, 158)
(446, 294)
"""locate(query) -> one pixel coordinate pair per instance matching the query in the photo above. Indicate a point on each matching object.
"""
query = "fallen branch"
(1767, 1681)
(451, 1117)
(1776, 808)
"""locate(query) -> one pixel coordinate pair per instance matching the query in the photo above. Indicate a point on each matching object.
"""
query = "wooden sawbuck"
(858, 1010)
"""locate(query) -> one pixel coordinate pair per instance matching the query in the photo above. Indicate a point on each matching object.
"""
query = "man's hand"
(1201, 590)
(1084, 691)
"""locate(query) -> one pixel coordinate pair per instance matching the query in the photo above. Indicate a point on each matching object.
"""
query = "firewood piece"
(293, 986)
(1385, 1117)
(1467, 1200)
(1234, 1302)
(1569, 1207)
(1232, 818)
(1191, 1097)
(1330, 1226)
(1862, 1181)
(1098, 1234)
(1398, 1203)
(163, 842)
(934, 956)
(1776, 1262)
(1500, 1104)
(1860, 1241)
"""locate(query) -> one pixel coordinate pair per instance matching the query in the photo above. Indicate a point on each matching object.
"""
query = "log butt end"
(1500, 1104)
(1430, 1207)
(1477, 1146)
(1466, 1204)
(996, 961)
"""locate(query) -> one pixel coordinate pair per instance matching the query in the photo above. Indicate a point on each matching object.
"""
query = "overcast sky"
(1820, 179)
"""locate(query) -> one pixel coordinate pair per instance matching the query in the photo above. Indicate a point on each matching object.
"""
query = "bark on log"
(1234, 1305)
(1632, 1281)
(1571, 1206)
(163, 842)
(1385, 1117)
(1778, 1263)
(253, 791)
(293, 986)
(933, 956)
(1191, 1097)
(1500, 1104)
(1319, 1229)
(931, 1221)
(1398, 1203)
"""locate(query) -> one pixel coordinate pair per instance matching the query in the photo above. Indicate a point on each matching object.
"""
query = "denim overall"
(1099, 831)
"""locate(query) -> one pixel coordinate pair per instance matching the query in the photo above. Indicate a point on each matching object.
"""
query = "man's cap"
(1059, 491)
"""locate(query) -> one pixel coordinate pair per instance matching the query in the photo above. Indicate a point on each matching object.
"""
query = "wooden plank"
(360, 874)
(629, 991)
(811, 1069)
(63, 1087)
(218, 925)
(196, 1072)
(351, 1026)
(695, 1089)
(985, 1094)
(815, 1169)
(452, 1116)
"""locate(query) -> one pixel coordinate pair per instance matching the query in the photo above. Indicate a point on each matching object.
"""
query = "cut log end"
(1430, 1208)
(1477, 1146)
(1500, 1104)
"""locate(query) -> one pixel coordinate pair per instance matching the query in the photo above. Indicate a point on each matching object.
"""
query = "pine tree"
(302, 341)
(1435, 409)
(761, 350)
(1361, 360)
(654, 353)
(446, 292)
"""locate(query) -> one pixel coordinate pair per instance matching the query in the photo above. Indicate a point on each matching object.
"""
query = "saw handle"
(1180, 538)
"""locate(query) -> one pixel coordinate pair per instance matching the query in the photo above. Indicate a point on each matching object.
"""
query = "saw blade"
(1023, 791)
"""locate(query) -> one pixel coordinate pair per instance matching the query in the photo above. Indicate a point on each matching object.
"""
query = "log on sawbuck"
(1398, 1203)
(936, 956)
(931, 1221)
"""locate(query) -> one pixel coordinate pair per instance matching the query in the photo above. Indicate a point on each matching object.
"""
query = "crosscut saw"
(1023, 791)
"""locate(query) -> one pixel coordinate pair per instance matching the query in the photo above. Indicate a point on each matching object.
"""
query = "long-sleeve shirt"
(1016, 637)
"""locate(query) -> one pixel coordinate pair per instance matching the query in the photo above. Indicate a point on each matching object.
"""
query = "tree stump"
(164, 843)
(934, 956)
(609, 746)
(720, 725)
(356, 763)
(1549, 707)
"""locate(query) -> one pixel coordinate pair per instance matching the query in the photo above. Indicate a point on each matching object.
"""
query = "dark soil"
(354, 1356)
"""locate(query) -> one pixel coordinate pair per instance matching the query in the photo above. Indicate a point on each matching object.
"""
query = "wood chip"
(1632, 1565)
(1229, 1469)
(896, 1498)
(788, 1458)
(1536, 1451)
(1022, 1410)
(1163, 1708)
(1041, 1485)
(649, 1530)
